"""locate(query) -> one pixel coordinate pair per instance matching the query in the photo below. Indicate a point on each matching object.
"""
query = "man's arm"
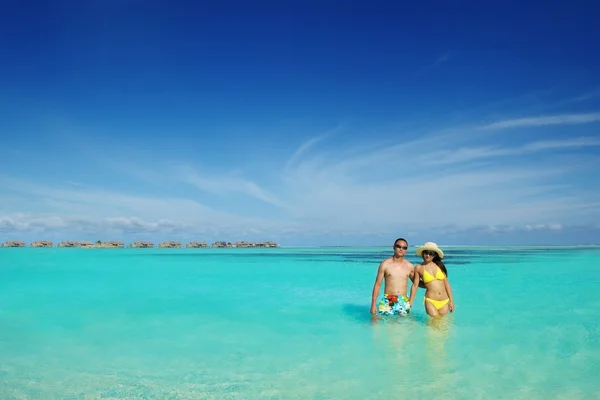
(377, 287)
(414, 286)
(449, 291)
(412, 273)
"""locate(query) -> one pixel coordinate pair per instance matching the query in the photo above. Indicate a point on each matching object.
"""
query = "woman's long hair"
(438, 261)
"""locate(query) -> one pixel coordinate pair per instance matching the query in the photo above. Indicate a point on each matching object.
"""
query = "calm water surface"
(293, 324)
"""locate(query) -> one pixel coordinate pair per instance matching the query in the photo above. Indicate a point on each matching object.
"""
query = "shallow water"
(293, 324)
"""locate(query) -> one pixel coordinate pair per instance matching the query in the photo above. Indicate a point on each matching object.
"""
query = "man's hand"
(373, 310)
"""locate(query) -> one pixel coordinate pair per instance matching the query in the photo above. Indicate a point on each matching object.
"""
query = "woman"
(438, 295)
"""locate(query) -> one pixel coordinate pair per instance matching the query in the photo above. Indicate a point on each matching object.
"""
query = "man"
(396, 271)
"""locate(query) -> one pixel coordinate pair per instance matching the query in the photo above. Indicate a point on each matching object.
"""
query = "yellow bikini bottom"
(437, 303)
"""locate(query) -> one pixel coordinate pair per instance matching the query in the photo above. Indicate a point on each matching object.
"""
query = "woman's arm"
(415, 285)
(449, 292)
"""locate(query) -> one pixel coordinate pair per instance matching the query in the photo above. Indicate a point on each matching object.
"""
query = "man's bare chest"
(398, 271)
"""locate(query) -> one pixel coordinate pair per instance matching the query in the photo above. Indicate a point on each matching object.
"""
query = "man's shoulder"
(387, 261)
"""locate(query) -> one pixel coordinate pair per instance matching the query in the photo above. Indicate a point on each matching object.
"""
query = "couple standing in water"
(396, 271)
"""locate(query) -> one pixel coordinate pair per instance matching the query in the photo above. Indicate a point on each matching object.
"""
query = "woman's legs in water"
(431, 310)
(434, 312)
(444, 310)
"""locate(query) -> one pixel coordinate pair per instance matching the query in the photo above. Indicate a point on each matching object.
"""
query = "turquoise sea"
(293, 323)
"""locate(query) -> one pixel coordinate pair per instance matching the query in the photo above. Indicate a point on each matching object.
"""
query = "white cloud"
(566, 119)
(552, 227)
(503, 229)
(443, 182)
(466, 154)
(93, 204)
(225, 183)
(306, 146)
(10, 224)
(441, 59)
(135, 224)
(433, 181)
(562, 144)
(583, 97)
(428, 199)
(131, 228)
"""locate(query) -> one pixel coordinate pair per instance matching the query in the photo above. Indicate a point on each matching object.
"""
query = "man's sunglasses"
(401, 247)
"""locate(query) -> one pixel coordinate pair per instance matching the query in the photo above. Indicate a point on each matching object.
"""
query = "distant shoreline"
(271, 245)
(138, 244)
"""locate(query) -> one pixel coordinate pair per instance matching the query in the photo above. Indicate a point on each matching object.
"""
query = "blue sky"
(308, 123)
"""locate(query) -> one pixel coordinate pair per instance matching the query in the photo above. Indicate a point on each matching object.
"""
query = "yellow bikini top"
(439, 275)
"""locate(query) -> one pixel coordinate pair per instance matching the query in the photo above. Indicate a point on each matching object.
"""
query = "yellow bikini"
(427, 277)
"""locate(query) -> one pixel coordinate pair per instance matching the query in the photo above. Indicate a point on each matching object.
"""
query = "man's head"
(400, 246)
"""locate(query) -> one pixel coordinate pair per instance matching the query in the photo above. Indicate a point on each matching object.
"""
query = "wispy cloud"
(468, 154)
(96, 203)
(437, 182)
(224, 183)
(583, 97)
(406, 185)
(171, 174)
(308, 145)
(566, 119)
(441, 59)
(562, 144)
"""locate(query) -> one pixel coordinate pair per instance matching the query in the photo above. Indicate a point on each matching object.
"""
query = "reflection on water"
(437, 332)
(439, 366)
(394, 340)
(414, 352)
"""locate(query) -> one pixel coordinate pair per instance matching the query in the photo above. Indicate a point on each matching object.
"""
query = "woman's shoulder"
(424, 266)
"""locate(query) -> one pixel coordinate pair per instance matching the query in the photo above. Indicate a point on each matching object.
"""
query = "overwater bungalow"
(13, 243)
(221, 244)
(170, 245)
(68, 243)
(245, 244)
(111, 244)
(141, 244)
(41, 243)
(195, 245)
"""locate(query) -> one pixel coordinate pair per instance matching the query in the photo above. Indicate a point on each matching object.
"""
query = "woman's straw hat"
(432, 247)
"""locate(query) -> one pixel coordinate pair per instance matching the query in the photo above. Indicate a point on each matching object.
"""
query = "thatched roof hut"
(13, 243)
(196, 245)
(141, 244)
(41, 243)
(110, 244)
(170, 245)
(68, 243)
